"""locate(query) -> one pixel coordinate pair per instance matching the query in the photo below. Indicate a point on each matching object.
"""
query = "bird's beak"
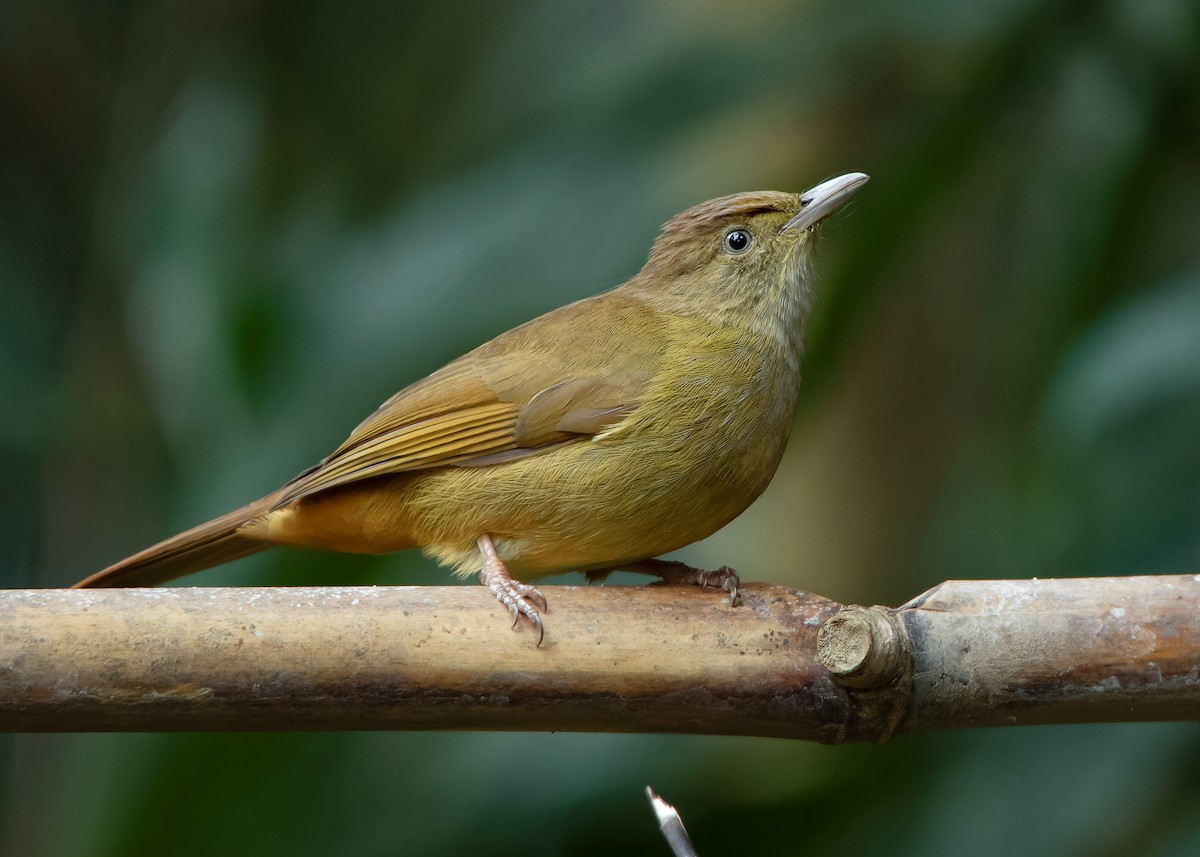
(824, 199)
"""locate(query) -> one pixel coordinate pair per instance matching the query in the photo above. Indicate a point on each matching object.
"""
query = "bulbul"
(595, 437)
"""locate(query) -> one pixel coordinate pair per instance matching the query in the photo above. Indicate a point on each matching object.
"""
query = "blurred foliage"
(229, 229)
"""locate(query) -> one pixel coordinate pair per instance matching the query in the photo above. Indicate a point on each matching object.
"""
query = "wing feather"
(470, 435)
(511, 398)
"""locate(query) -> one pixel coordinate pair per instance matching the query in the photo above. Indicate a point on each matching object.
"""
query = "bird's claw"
(521, 599)
(723, 578)
(683, 574)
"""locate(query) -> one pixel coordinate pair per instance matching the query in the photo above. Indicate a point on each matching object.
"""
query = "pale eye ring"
(738, 241)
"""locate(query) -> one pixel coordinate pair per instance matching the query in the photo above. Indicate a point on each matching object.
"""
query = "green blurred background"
(229, 229)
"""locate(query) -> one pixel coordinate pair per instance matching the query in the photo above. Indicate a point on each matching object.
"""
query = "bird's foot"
(685, 575)
(521, 599)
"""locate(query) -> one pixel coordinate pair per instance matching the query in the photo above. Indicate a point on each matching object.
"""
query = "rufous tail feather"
(201, 547)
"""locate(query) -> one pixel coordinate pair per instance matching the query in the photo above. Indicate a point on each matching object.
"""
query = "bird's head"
(743, 257)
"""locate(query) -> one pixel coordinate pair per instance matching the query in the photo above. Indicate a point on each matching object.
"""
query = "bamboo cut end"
(863, 647)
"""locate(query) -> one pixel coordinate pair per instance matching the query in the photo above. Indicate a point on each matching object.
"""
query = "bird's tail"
(201, 547)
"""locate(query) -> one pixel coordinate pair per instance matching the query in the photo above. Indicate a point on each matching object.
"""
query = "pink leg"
(520, 598)
(681, 574)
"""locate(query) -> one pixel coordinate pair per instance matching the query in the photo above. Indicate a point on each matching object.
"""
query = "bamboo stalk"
(1001, 652)
(620, 659)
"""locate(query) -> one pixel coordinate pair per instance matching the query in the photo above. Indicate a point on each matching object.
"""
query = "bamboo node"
(863, 647)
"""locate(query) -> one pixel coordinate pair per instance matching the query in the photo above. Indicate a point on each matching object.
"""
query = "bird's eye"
(738, 241)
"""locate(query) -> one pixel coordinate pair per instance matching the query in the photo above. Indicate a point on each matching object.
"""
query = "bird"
(598, 436)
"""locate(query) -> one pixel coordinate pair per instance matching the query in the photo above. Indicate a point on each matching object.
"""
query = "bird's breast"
(699, 447)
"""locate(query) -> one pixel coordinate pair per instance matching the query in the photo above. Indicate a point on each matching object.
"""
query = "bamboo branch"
(617, 659)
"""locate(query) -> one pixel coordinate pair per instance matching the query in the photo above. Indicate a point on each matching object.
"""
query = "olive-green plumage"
(609, 431)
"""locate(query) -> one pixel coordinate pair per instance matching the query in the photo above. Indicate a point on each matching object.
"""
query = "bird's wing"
(482, 409)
